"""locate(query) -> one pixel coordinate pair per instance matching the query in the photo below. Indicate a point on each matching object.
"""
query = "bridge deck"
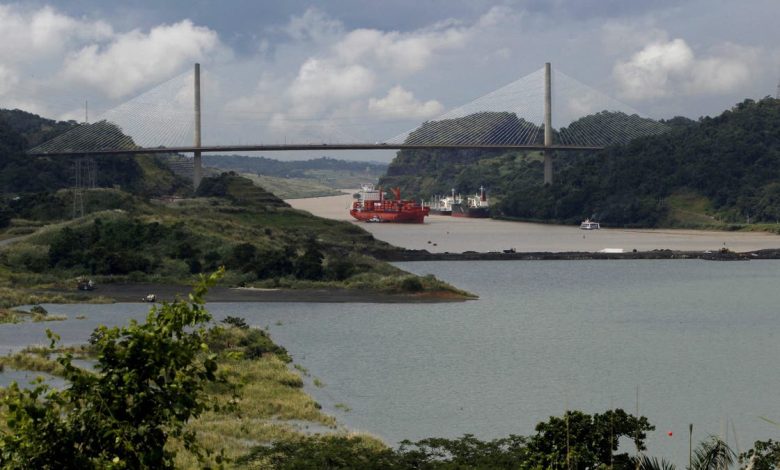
(283, 147)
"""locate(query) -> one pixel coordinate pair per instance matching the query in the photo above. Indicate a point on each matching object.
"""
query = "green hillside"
(259, 238)
(20, 173)
(714, 172)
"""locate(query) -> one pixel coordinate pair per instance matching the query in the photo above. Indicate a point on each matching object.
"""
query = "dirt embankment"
(169, 292)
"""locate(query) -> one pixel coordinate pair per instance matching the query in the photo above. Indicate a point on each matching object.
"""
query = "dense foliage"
(123, 245)
(576, 440)
(765, 455)
(732, 161)
(148, 382)
(728, 165)
(34, 128)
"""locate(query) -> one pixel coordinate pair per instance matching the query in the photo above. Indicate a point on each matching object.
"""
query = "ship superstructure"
(476, 206)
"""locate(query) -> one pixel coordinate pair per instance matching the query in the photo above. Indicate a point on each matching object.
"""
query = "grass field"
(292, 188)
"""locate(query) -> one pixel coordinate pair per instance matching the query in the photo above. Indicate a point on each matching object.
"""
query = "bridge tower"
(197, 170)
(548, 135)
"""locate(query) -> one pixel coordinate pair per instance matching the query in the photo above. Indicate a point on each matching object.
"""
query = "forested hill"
(20, 173)
(288, 169)
(423, 173)
(713, 171)
(33, 128)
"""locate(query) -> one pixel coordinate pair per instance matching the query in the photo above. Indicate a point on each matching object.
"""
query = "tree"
(712, 454)
(466, 452)
(149, 382)
(309, 264)
(578, 440)
(765, 455)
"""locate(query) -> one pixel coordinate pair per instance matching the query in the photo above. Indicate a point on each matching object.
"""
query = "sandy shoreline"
(442, 234)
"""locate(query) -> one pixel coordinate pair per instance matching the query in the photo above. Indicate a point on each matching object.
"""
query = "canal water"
(699, 341)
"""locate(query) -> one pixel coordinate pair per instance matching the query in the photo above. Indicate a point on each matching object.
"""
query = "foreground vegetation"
(719, 172)
(178, 391)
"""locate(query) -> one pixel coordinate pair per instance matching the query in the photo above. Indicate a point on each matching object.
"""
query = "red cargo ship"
(372, 206)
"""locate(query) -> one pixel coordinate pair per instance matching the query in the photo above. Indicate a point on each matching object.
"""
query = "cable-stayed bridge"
(545, 111)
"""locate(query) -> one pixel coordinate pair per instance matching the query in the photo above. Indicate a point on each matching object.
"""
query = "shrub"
(149, 383)
(38, 310)
(257, 342)
(411, 284)
(236, 322)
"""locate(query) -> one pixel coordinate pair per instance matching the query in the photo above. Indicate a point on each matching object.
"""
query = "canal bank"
(442, 234)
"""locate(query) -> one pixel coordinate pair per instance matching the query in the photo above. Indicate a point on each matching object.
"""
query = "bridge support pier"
(548, 154)
(197, 168)
(548, 167)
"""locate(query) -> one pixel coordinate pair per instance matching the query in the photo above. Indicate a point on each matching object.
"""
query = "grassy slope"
(210, 225)
(688, 209)
(292, 188)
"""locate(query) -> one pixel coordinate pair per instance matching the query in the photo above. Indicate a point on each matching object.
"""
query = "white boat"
(587, 224)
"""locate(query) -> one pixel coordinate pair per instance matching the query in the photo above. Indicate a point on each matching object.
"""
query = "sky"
(349, 70)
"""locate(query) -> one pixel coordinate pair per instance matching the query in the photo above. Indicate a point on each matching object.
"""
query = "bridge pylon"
(548, 133)
(197, 168)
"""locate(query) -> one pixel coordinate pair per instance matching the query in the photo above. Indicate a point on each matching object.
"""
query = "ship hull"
(440, 212)
(470, 212)
(404, 217)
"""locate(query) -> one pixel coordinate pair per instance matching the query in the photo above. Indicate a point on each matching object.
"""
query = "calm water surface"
(699, 339)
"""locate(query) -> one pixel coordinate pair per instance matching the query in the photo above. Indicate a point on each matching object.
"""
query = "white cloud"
(320, 83)
(264, 100)
(402, 53)
(400, 103)
(499, 15)
(649, 72)
(314, 26)
(342, 67)
(731, 68)
(8, 80)
(135, 59)
(27, 36)
(621, 36)
(670, 68)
